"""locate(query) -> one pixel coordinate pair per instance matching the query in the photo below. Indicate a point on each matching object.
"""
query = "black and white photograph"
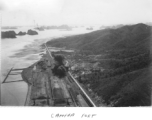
(76, 53)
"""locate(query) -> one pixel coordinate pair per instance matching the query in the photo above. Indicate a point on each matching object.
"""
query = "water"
(22, 52)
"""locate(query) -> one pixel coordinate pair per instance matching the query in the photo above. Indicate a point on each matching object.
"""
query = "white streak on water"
(13, 94)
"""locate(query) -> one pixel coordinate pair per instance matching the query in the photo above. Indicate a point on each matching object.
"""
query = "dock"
(46, 89)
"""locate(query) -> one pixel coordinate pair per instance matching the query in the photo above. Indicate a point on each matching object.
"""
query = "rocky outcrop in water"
(89, 28)
(8, 34)
(61, 27)
(39, 28)
(21, 33)
(32, 32)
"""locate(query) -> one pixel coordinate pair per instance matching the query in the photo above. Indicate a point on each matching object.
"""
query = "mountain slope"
(108, 39)
(127, 56)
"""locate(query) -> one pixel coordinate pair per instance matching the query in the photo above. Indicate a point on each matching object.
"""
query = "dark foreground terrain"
(124, 54)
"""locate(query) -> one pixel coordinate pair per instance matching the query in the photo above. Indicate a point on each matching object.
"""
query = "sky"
(74, 12)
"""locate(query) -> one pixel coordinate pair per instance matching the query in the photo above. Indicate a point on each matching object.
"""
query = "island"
(8, 34)
(32, 32)
(21, 33)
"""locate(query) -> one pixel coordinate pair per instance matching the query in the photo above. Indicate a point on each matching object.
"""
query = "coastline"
(22, 52)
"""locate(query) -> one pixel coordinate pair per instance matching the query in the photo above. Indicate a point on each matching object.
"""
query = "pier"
(46, 89)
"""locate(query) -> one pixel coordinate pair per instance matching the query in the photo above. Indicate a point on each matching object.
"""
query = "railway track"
(44, 89)
(82, 95)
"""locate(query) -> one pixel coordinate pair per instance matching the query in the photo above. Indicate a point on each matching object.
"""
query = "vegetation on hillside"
(126, 80)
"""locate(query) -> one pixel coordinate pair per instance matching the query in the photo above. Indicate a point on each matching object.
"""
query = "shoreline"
(20, 57)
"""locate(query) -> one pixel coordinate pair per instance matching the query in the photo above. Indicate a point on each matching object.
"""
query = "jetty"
(50, 83)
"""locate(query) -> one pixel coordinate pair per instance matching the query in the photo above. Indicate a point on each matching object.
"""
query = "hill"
(126, 80)
(108, 39)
